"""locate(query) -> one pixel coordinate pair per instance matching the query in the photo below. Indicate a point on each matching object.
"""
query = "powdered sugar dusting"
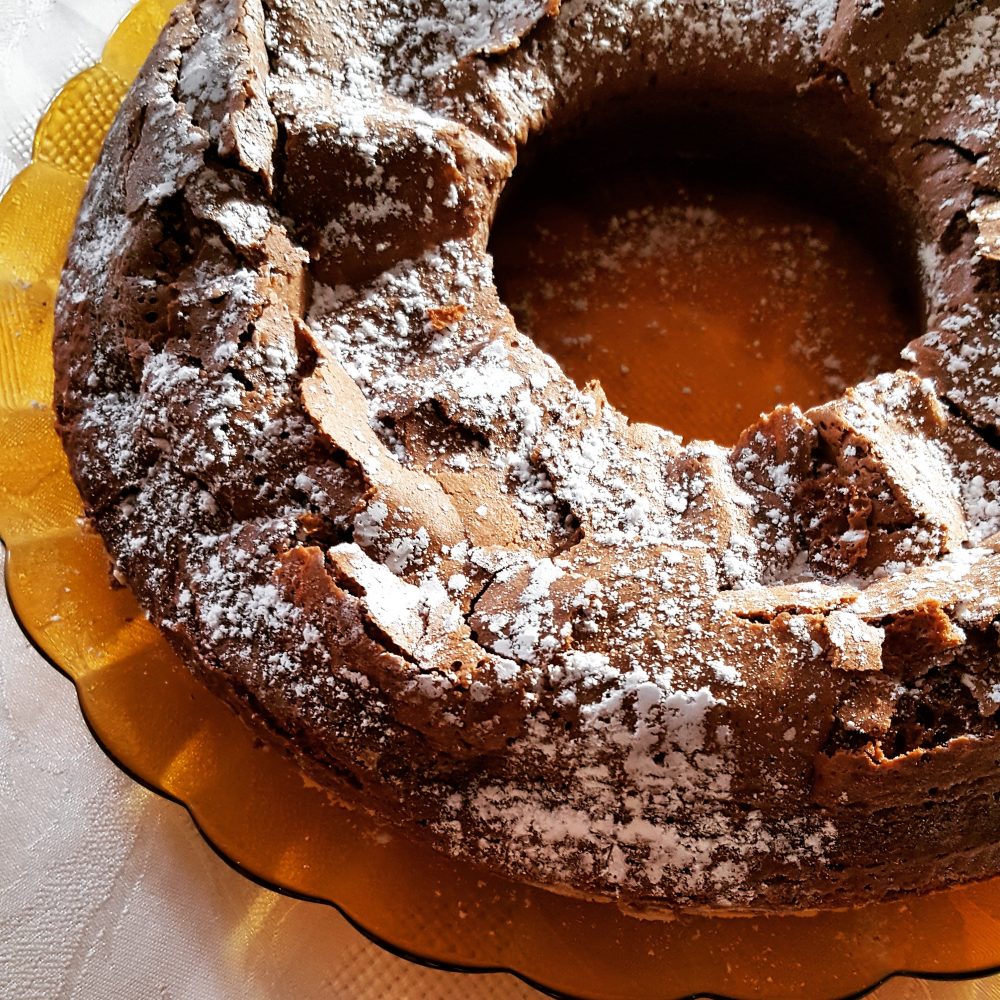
(373, 512)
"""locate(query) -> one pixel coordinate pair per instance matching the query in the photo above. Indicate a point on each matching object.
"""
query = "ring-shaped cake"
(469, 594)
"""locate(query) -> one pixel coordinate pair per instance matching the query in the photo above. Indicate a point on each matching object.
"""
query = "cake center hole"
(697, 295)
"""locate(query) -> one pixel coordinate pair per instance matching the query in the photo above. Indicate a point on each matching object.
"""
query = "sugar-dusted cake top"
(372, 514)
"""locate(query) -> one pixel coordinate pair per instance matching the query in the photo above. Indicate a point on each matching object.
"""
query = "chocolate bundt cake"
(469, 594)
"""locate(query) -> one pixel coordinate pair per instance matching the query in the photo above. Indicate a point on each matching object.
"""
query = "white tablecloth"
(107, 892)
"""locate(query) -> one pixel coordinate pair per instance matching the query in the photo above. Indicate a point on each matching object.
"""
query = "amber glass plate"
(252, 805)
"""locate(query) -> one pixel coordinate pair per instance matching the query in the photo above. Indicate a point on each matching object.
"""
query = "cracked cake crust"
(472, 596)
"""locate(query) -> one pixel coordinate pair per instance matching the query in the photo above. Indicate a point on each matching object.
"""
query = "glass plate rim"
(10, 556)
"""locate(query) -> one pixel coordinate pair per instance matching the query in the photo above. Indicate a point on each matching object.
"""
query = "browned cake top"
(384, 524)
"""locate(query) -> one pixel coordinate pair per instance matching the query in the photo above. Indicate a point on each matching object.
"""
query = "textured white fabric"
(107, 892)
